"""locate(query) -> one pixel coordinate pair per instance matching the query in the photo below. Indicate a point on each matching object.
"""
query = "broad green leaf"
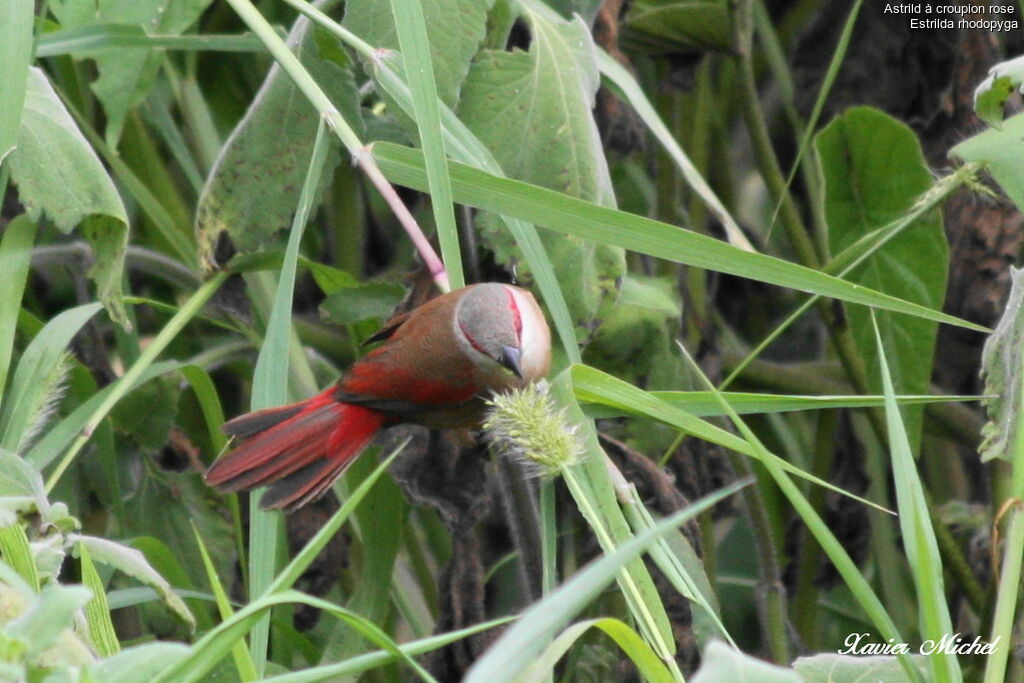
(827, 667)
(147, 414)
(58, 174)
(252, 190)
(455, 29)
(506, 659)
(992, 93)
(723, 664)
(585, 8)
(874, 171)
(1001, 364)
(167, 505)
(532, 110)
(134, 564)
(16, 55)
(548, 91)
(126, 75)
(569, 215)
(1001, 151)
(30, 386)
(47, 618)
(351, 304)
(635, 340)
(660, 27)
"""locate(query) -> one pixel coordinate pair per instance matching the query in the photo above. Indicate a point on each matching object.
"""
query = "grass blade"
(128, 380)
(572, 216)
(270, 388)
(419, 69)
(15, 257)
(918, 535)
(16, 17)
(521, 644)
(97, 611)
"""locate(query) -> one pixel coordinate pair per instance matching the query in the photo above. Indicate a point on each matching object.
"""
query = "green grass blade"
(57, 438)
(290, 574)
(97, 611)
(521, 644)
(679, 563)
(128, 380)
(844, 564)
(591, 382)
(591, 485)
(95, 38)
(209, 403)
(372, 660)
(16, 552)
(572, 216)
(419, 69)
(15, 258)
(243, 660)
(703, 403)
(37, 362)
(632, 645)
(918, 535)
(16, 16)
(213, 646)
(270, 388)
(631, 91)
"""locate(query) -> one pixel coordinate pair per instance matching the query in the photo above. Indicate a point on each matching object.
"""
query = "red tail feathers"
(299, 450)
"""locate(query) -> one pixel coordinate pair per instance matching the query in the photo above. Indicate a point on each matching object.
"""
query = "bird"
(435, 366)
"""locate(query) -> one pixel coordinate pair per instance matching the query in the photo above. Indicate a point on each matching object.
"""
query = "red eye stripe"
(517, 319)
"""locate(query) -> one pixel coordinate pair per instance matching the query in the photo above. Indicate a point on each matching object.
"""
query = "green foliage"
(250, 192)
(58, 174)
(874, 172)
(126, 76)
(999, 149)
(658, 27)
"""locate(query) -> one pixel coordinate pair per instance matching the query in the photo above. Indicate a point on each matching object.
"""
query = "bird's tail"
(298, 450)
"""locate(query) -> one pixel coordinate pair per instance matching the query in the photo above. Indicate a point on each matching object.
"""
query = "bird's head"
(504, 331)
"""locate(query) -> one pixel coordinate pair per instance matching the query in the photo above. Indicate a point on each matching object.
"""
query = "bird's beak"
(510, 357)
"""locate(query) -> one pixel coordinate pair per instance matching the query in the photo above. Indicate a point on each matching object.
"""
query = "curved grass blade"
(516, 649)
(572, 216)
(419, 70)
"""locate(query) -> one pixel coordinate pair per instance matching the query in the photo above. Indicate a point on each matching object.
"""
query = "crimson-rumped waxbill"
(436, 366)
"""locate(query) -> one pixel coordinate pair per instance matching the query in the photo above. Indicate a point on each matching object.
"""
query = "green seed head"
(525, 424)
